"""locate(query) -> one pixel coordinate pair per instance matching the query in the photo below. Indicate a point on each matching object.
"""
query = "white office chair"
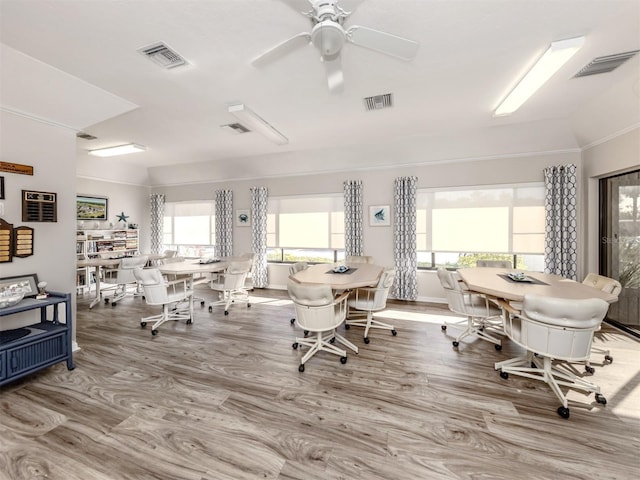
(608, 285)
(231, 285)
(484, 318)
(494, 263)
(248, 283)
(174, 297)
(365, 301)
(295, 268)
(122, 280)
(318, 311)
(358, 259)
(555, 332)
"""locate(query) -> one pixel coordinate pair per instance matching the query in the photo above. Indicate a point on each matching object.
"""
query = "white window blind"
(189, 223)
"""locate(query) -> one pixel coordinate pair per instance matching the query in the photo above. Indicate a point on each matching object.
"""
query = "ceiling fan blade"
(300, 6)
(335, 78)
(282, 49)
(382, 42)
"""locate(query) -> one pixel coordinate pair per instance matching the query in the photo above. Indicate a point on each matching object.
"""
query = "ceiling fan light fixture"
(117, 150)
(256, 123)
(328, 37)
(555, 57)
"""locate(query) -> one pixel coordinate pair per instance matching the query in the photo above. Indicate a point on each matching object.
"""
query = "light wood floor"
(223, 399)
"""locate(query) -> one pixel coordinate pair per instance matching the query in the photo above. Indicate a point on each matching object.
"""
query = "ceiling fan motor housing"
(328, 37)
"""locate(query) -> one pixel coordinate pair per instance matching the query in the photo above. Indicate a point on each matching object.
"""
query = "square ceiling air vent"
(164, 56)
(605, 64)
(236, 128)
(378, 102)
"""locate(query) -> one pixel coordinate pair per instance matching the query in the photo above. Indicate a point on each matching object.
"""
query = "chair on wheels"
(295, 268)
(555, 332)
(248, 283)
(608, 285)
(318, 311)
(484, 318)
(230, 285)
(174, 296)
(365, 301)
(123, 280)
(358, 259)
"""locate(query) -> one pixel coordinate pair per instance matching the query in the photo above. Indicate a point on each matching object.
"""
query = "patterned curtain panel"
(353, 218)
(157, 222)
(224, 223)
(561, 230)
(404, 238)
(259, 197)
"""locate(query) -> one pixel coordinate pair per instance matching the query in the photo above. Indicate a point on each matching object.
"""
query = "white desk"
(490, 282)
(361, 275)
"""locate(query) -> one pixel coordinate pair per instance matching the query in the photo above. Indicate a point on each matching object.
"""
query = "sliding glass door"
(620, 243)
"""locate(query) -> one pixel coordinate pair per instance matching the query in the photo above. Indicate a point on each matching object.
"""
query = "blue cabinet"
(47, 343)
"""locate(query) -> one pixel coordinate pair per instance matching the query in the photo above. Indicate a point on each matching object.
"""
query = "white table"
(361, 275)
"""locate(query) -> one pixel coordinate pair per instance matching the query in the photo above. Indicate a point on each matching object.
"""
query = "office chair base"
(176, 313)
(321, 343)
(486, 329)
(553, 374)
(368, 323)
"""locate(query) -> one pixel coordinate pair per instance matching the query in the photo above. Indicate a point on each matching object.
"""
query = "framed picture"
(243, 218)
(28, 283)
(379, 216)
(91, 208)
(1, 188)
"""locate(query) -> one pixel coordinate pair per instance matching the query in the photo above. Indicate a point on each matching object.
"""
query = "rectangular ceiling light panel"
(118, 150)
(555, 57)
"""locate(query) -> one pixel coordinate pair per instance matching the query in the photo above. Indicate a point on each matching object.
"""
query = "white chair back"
(124, 273)
(236, 274)
(603, 283)
(559, 328)
(298, 267)
(315, 308)
(153, 285)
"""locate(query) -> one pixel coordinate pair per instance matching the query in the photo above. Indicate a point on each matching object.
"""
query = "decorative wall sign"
(39, 206)
(1, 188)
(6, 241)
(242, 218)
(22, 242)
(16, 168)
(379, 216)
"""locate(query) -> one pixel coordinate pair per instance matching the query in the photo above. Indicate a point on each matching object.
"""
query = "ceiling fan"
(328, 35)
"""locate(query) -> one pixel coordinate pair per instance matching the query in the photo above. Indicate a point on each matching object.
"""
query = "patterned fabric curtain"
(561, 229)
(157, 222)
(404, 238)
(224, 223)
(259, 235)
(353, 218)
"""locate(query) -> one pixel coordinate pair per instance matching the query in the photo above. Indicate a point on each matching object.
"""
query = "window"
(189, 228)
(457, 226)
(305, 228)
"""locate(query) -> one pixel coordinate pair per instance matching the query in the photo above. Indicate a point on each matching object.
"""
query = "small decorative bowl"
(10, 296)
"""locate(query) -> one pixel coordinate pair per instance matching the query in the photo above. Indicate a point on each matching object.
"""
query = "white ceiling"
(471, 52)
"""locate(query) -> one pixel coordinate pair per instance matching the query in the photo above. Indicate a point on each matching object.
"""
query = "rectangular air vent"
(235, 128)
(161, 54)
(85, 136)
(378, 101)
(605, 64)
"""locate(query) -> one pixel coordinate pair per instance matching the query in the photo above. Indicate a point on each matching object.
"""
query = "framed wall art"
(89, 207)
(379, 216)
(243, 218)
(28, 283)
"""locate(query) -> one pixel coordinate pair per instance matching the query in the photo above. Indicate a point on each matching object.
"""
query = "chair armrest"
(342, 297)
(507, 307)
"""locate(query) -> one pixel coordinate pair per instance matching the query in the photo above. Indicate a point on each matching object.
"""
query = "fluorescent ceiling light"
(256, 123)
(556, 55)
(119, 150)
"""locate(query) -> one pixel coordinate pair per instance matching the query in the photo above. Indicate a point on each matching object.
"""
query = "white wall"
(378, 189)
(51, 150)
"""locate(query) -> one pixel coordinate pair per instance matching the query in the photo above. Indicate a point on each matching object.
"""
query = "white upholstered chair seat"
(231, 286)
